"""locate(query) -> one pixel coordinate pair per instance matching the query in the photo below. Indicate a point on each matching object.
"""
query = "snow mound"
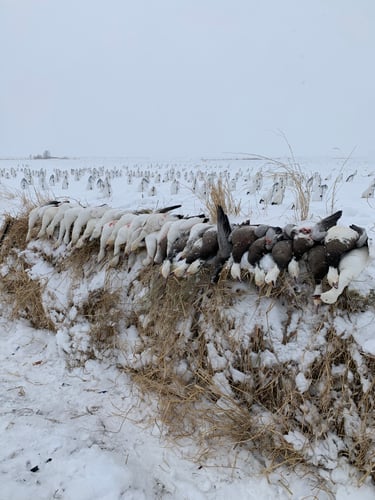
(263, 368)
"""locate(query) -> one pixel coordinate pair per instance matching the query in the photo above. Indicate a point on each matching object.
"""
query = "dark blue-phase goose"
(282, 255)
(304, 237)
(241, 238)
(201, 245)
(259, 249)
(317, 265)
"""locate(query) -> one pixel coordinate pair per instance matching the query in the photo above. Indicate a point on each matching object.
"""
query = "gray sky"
(186, 77)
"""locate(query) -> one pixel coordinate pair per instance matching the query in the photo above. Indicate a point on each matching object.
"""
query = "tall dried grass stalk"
(219, 193)
(297, 178)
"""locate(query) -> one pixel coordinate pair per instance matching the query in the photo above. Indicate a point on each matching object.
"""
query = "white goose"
(350, 267)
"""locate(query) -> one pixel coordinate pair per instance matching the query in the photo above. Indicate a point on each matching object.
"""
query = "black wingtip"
(223, 221)
(223, 232)
(335, 216)
(331, 220)
(362, 235)
(338, 214)
(168, 209)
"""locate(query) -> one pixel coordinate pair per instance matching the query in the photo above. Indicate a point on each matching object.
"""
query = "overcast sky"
(187, 77)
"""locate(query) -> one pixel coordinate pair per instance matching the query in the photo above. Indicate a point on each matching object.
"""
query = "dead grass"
(25, 297)
(219, 193)
(103, 311)
(297, 180)
(351, 301)
(262, 406)
(79, 259)
(23, 294)
(13, 235)
(294, 177)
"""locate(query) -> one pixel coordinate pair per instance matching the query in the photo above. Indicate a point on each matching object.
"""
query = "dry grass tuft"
(352, 301)
(23, 293)
(219, 193)
(80, 258)
(13, 234)
(25, 297)
(298, 181)
(294, 177)
(104, 313)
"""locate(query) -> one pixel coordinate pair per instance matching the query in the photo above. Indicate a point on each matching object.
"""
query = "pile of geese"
(181, 245)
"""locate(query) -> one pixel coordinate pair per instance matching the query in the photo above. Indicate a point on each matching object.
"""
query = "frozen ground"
(73, 433)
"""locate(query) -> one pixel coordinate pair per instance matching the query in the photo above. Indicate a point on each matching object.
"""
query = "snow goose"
(350, 267)
(152, 224)
(36, 214)
(84, 216)
(121, 240)
(50, 230)
(66, 224)
(110, 214)
(304, 236)
(338, 241)
(177, 236)
(110, 231)
(47, 218)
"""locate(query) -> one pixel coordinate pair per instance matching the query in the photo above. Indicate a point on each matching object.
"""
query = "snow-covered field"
(74, 427)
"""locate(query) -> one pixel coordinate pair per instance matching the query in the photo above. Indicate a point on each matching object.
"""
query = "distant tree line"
(46, 156)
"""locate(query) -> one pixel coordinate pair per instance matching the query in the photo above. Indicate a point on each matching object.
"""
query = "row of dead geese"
(181, 245)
